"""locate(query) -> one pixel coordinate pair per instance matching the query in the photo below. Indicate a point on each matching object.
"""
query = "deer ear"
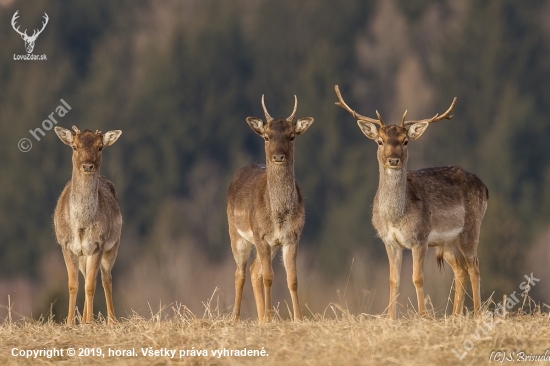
(302, 125)
(110, 137)
(416, 130)
(64, 135)
(256, 124)
(369, 129)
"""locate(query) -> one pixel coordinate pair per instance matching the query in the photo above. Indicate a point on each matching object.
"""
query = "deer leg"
(395, 256)
(71, 261)
(92, 267)
(418, 256)
(460, 275)
(257, 287)
(82, 266)
(107, 263)
(289, 260)
(473, 270)
(241, 252)
(460, 290)
(240, 277)
(264, 256)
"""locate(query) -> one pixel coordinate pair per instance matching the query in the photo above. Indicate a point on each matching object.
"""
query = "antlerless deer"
(87, 219)
(435, 207)
(265, 209)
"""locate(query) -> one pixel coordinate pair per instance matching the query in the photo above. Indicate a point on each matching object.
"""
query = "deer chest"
(395, 236)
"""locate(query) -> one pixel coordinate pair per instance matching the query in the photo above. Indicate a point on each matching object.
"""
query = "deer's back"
(447, 186)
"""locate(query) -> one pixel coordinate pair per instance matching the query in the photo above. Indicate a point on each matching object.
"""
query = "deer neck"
(281, 189)
(392, 193)
(84, 198)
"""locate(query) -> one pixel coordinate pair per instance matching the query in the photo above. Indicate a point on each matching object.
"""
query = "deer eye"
(266, 138)
(100, 148)
(379, 142)
(406, 142)
(74, 148)
(292, 138)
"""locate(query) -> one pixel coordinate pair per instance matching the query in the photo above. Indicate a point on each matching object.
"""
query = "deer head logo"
(29, 41)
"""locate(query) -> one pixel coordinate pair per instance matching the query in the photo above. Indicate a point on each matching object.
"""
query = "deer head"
(279, 134)
(392, 140)
(29, 41)
(87, 147)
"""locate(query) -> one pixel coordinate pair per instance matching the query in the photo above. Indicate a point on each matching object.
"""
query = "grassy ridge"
(337, 338)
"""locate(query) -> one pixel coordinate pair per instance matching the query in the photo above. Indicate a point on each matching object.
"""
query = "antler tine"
(379, 117)
(37, 32)
(267, 116)
(291, 118)
(13, 21)
(435, 118)
(403, 119)
(46, 18)
(76, 130)
(356, 115)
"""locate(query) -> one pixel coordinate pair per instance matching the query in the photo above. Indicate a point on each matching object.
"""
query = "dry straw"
(335, 337)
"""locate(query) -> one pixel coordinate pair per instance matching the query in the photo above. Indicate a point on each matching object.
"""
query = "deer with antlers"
(434, 207)
(265, 209)
(87, 219)
(29, 40)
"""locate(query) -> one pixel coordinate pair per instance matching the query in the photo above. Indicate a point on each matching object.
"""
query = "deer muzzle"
(88, 168)
(279, 159)
(394, 162)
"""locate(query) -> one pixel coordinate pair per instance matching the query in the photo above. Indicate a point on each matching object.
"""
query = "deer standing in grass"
(265, 209)
(435, 207)
(87, 219)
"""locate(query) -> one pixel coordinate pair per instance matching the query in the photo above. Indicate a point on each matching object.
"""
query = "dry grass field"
(174, 335)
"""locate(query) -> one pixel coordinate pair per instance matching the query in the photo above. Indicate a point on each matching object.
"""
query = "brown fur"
(441, 207)
(265, 209)
(87, 219)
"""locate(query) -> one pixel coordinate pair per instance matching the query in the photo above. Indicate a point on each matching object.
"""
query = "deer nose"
(278, 158)
(394, 161)
(88, 167)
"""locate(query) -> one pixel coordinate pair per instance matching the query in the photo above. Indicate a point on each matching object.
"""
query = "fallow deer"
(87, 219)
(265, 209)
(438, 207)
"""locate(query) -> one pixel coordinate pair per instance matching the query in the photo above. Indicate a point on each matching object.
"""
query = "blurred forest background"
(180, 77)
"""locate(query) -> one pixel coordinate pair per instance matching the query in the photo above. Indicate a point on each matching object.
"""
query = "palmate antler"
(356, 115)
(290, 118)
